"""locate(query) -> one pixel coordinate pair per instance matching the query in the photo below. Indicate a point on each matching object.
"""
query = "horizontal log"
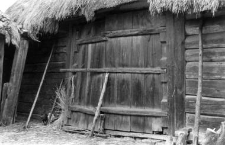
(211, 70)
(211, 25)
(214, 40)
(133, 32)
(91, 40)
(82, 109)
(137, 135)
(118, 70)
(133, 111)
(209, 14)
(209, 55)
(211, 88)
(209, 106)
(119, 111)
(206, 121)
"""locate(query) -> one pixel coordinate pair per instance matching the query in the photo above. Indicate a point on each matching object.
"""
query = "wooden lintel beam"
(134, 32)
(92, 40)
(118, 70)
(119, 111)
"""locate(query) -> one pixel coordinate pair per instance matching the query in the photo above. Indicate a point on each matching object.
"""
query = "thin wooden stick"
(53, 106)
(99, 104)
(199, 93)
(39, 89)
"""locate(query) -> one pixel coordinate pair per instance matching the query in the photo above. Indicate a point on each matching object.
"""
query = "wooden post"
(199, 93)
(99, 104)
(15, 82)
(2, 43)
(39, 89)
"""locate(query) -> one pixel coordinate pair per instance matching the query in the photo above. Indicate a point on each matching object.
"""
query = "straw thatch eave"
(9, 29)
(43, 15)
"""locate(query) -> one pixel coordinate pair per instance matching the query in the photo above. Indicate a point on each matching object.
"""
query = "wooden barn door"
(135, 101)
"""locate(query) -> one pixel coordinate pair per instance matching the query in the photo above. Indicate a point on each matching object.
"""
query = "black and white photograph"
(112, 72)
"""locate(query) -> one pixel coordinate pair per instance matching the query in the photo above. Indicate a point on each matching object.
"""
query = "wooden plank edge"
(119, 111)
(92, 40)
(118, 70)
(133, 32)
(137, 135)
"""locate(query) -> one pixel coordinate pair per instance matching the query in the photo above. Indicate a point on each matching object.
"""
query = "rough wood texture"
(119, 70)
(15, 82)
(97, 112)
(211, 88)
(3, 100)
(2, 44)
(133, 32)
(213, 40)
(199, 92)
(209, 106)
(91, 40)
(211, 25)
(206, 121)
(211, 70)
(209, 55)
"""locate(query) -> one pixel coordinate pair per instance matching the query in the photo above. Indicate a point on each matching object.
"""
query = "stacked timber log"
(213, 102)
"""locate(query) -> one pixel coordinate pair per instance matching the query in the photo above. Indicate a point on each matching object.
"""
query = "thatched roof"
(9, 29)
(44, 15)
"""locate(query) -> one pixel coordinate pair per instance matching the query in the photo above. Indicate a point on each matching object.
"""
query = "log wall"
(213, 103)
(38, 55)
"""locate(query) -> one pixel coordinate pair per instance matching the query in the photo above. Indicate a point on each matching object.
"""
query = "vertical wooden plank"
(111, 61)
(124, 83)
(170, 70)
(15, 82)
(2, 43)
(138, 56)
(179, 70)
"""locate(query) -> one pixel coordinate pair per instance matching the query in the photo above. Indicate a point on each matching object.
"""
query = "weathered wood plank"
(211, 25)
(120, 111)
(91, 40)
(211, 88)
(82, 109)
(15, 83)
(142, 19)
(214, 40)
(124, 83)
(206, 121)
(138, 54)
(170, 65)
(156, 70)
(2, 51)
(209, 55)
(179, 52)
(134, 32)
(209, 106)
(211, 70)
(138, 135)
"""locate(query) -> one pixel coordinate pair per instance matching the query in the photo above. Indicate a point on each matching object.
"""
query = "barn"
(150, 50)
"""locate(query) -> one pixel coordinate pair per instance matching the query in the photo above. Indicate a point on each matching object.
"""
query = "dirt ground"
(39, 134)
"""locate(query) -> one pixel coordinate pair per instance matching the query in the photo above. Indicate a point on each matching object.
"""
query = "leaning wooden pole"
(99, 104)
(199, 93)
(39, 89)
